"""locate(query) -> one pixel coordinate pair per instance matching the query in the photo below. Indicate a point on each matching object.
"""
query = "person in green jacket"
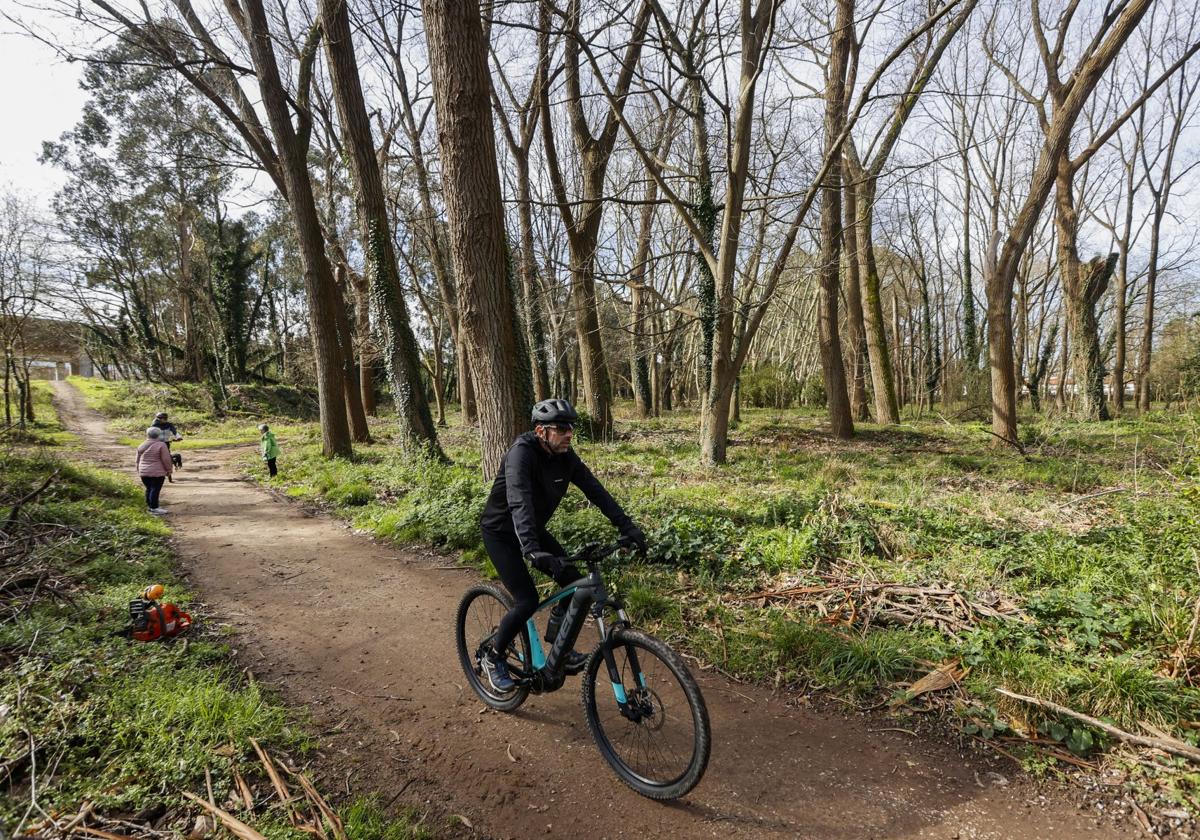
(270, 449)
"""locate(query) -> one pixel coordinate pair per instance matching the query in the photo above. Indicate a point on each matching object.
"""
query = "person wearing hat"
(153, 463)
(167, 434)
(269, 448)
(533, 478)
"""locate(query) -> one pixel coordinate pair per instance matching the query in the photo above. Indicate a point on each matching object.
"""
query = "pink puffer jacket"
(153, 459)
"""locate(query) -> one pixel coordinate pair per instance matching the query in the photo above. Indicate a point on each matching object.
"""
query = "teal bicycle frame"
(587, 595)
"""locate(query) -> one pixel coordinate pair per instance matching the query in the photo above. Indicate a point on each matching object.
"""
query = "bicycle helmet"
(162, 415)
(554, 411)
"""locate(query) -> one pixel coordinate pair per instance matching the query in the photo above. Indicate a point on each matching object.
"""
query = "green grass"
(119, 723)
(46, 429)
(131, 407)
(1092, 533)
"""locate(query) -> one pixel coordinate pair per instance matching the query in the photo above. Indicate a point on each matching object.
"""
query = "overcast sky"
(40, 99)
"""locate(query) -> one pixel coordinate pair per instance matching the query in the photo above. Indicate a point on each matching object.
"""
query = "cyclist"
(168, 434)
(532, 480)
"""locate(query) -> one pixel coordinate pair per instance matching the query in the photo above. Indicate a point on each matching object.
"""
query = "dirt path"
(361, 634)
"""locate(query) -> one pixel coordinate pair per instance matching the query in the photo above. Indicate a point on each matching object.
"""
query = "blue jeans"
(154, 485)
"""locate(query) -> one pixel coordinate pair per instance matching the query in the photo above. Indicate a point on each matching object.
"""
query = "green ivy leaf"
(1080, 742)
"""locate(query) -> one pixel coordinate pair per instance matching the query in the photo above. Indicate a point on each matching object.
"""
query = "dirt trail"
(361, 634)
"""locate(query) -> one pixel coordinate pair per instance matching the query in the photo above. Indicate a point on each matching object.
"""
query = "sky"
(40, 98)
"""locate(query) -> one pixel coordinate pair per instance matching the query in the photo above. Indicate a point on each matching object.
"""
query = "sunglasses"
(560, 427)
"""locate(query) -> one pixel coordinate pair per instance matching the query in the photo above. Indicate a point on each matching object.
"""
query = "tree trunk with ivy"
(400, 350)
(292, 145)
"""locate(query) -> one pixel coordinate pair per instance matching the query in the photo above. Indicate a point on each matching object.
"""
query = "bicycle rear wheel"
(475, 626)
(658, 745)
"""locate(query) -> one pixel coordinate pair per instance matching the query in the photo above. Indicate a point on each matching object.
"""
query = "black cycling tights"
(505, 552)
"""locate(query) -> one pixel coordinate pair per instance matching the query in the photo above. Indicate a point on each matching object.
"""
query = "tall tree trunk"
(447, 286)
(1064, 363)
(400, 351)
(1145, 353)
(1082, 289)
(531, 299)
(1120, 292)
(970, 345)
(364, 351)
(855, 326)
(593, 366)
(583, 222)
(475, 214)
(193, 359)
(355, 416)
(640, 363)
(883, 384)
(716, 390)
(840, 419)
(318, 275)
(1068, 100)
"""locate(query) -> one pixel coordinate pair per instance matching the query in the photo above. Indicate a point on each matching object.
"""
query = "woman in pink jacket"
(153, 465)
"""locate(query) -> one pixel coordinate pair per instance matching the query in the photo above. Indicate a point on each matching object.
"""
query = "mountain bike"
(643, 706)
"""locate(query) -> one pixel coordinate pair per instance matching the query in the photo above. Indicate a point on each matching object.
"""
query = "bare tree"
(582, 219)
(1003, 261)
(1159, 183)
(475, 212)
(866, 173)
(401, 355)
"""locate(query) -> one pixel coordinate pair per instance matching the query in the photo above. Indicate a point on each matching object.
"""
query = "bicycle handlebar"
(594, 552)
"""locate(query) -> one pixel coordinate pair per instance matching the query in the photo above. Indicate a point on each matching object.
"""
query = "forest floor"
(360, 634)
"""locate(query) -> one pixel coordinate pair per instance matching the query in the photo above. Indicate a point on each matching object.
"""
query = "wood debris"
(947, 675)
(846, 599)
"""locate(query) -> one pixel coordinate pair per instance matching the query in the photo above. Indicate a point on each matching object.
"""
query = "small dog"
(177, 460)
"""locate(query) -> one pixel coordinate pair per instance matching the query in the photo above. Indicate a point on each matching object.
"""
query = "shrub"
(351, 494)
(769, 386)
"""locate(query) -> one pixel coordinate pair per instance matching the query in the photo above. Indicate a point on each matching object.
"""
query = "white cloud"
(40, 98)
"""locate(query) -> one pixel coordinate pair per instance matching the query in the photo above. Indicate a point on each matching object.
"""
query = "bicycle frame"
(588, 595)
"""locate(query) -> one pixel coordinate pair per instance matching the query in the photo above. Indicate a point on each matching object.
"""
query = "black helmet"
(162, 415)
(554, 411)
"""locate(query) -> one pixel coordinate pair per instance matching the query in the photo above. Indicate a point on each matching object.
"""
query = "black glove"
(633, 537)
(546, 562)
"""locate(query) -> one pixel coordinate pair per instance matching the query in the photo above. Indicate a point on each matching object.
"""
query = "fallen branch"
(1110, 491)
(231, 822)
(331, 817)
(28, 497)
(244, 790)
(281, 787)
(1166, 745)
(107, 835)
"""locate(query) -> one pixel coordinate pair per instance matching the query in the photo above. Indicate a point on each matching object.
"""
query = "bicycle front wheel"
(659, 742)
(475, 627)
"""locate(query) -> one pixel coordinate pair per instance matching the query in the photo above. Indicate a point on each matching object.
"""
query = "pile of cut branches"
(843, 598)
(27, 548)
(251, 795)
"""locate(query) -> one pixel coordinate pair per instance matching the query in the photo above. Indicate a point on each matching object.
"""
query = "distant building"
(54, 349)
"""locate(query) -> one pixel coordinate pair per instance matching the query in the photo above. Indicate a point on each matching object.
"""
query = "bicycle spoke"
(659, 747)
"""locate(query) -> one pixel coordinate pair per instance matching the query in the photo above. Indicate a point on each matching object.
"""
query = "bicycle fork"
(641, 706)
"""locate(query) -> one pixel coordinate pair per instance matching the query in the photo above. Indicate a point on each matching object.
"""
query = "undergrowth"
(45, 429)
(87, 715)
(131, 407)
(1091, 532)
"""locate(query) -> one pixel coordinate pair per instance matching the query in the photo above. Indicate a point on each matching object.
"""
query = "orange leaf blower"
(150, 620)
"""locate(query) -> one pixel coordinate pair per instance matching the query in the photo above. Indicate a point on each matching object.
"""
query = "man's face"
(556, 436)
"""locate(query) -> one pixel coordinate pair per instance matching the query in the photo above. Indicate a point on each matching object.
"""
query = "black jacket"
(529, 486)
(169, 431)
